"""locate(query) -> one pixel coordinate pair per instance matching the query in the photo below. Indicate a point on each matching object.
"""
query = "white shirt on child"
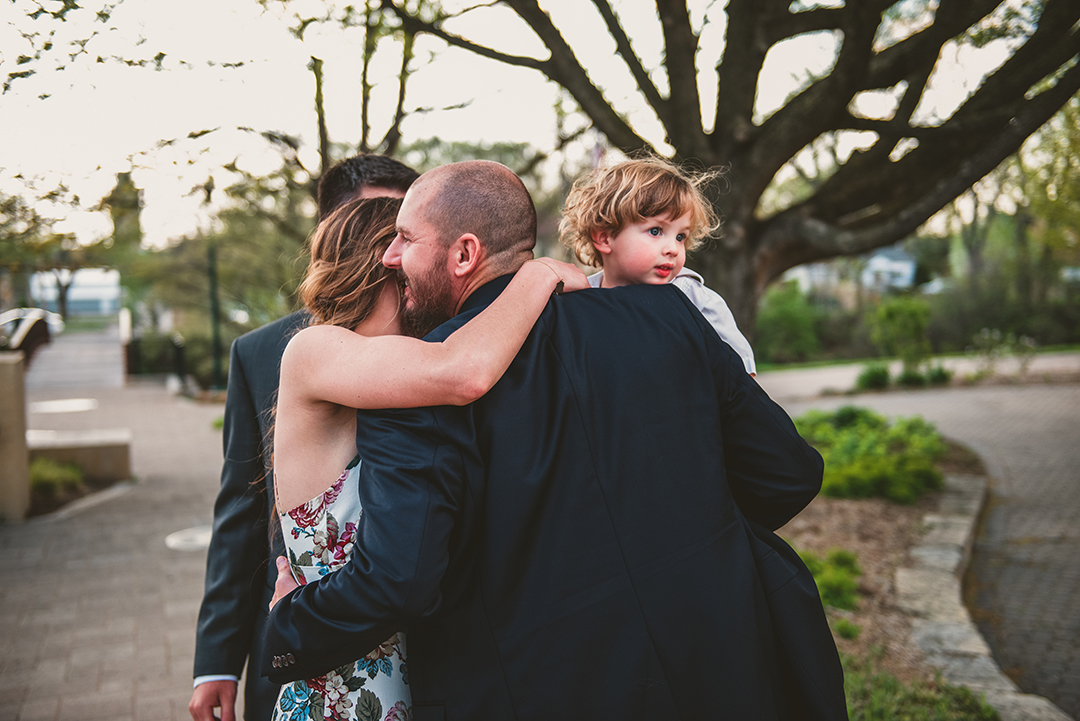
(712, 306)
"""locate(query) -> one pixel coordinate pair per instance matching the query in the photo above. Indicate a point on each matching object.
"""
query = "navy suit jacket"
(591, 539)
(239, 573)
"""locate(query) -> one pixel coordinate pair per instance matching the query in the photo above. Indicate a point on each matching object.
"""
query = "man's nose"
(392, 257)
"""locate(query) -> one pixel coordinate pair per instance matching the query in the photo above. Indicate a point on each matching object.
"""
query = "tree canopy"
(916, 162)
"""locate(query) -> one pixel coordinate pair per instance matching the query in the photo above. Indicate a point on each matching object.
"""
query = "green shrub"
(835, 577)
(911, 378)
(873, 695)
(874, 376)
(786, 326)
(847, 629)
(898, 328)
(866, 457)
(218, 423)
(938, 375)
(49, 478)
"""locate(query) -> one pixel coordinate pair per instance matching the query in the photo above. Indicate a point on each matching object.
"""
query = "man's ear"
(601, 240)
(465, 255)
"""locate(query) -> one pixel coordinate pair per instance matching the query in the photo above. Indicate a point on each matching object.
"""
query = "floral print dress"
(319, 537)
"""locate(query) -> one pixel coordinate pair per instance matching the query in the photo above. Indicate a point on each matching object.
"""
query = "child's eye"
(681, 237)
(654, 231)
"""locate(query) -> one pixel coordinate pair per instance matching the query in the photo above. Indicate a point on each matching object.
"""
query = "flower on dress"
(308, 514)
(336, 693)
(399, 712)
(344, 545)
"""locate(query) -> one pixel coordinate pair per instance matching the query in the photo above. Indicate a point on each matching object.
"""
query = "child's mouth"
(664, 270)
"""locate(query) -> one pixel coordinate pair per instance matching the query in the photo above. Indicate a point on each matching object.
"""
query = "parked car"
(27, 329)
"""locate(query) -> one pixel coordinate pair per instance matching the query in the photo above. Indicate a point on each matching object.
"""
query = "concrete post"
(14, 457)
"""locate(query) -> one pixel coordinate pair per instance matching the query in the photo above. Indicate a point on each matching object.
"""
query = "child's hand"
(571, 275)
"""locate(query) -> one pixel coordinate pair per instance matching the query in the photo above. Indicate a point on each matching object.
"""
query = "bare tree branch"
(416, 25)
(820, 107)
(738, 72)
(563, 67)
(680, 61)
(819, 239)
(626, 52)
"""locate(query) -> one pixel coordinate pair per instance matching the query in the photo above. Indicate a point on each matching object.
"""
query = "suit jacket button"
(289, 659)
(277, 661)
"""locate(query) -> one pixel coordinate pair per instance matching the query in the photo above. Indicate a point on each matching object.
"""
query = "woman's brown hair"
(346, 270)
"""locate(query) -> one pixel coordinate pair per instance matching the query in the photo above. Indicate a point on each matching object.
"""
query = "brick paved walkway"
(97, 615)
(1025, 576)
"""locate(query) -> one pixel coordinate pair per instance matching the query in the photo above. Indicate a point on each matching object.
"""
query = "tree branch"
(416, 25)
(816, 239)
(738, 72)
(912, 55)
(392, 139)
(540, 156)
(791, 24)
(680, 61)
(633, 63)
(822, 106)
(562, 67)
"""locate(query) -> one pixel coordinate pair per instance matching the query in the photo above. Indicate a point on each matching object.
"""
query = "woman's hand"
(570, 275)
(286, 584)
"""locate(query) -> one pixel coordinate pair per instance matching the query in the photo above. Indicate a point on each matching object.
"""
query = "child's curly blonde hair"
(608, 199)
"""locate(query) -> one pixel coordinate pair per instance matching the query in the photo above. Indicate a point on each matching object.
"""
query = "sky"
(82, 124)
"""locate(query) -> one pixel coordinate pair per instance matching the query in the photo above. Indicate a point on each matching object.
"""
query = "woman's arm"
(330, 363)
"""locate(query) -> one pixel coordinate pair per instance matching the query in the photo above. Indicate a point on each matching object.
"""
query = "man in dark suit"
(239, 567)
(591, 539)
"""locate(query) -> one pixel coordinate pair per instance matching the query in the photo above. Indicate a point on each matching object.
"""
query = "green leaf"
(368, 707)
(315, 710)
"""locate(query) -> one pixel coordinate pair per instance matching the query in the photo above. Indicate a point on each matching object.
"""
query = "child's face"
(651, 251)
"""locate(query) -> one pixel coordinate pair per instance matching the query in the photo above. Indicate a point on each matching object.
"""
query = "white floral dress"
(319, 537)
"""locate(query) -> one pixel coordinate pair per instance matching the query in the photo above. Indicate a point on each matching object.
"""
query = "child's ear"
(601, 240)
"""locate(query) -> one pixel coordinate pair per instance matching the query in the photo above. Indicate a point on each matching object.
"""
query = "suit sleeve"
(238, 546)
(772, 472)
(412, 480)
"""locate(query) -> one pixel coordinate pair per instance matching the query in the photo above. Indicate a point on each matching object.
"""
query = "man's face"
(421, 261)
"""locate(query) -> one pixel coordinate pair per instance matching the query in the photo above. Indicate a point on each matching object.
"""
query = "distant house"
(888, 268)
(94, 291)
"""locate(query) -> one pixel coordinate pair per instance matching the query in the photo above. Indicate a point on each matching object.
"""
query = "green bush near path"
(874, 695)
(49, 478)
(835, 576)
(866, 456)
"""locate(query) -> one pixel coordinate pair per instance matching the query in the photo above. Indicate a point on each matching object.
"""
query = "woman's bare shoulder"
(315, 339)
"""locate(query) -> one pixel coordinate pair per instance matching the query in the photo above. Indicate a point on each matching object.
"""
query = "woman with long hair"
(353, 356)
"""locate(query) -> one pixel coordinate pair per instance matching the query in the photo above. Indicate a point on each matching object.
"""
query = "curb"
(930, 590)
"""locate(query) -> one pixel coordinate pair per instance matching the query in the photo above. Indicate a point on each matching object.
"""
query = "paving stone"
(929, 592)
(939, 637)
(943, 558)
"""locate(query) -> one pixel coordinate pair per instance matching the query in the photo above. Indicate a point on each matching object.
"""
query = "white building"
(888, 268)
(95, 291)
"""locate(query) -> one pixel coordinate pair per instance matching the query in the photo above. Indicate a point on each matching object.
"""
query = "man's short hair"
(343, 181)
(486, 199)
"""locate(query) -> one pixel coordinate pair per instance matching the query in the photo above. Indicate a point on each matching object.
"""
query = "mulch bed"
(880, 533)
